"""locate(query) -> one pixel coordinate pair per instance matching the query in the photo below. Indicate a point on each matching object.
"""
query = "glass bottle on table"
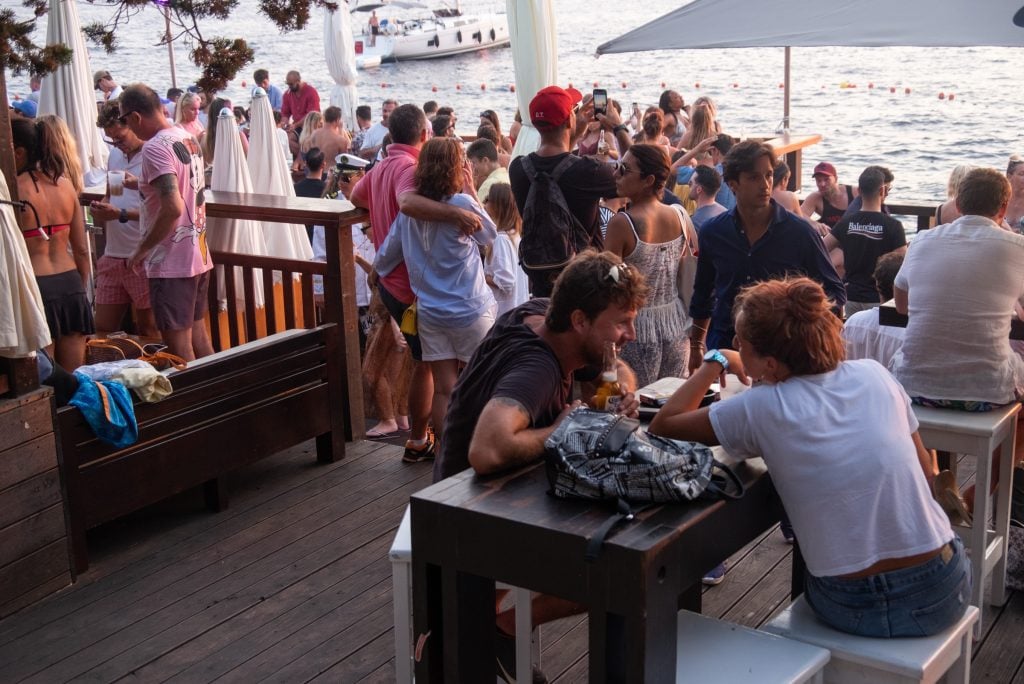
(609, 392)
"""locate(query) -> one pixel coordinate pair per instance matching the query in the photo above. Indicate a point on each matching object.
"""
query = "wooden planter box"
(34, 560)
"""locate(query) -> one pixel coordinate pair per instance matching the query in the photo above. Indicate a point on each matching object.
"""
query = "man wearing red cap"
(831, 199)
(584, 182)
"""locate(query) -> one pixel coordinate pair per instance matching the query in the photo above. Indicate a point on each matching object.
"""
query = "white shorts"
(441, 342)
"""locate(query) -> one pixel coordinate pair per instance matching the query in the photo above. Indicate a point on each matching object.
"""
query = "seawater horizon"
(919, 136)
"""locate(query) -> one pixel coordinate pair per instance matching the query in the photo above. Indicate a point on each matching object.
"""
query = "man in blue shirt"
(261, 79)
(757, 240)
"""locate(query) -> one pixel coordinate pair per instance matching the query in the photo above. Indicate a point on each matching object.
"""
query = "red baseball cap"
(825, 169)
(552, 106)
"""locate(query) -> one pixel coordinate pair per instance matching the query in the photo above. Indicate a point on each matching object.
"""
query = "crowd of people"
(489, 286)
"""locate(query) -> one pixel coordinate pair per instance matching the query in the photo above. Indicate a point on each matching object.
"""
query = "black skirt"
(65, 304)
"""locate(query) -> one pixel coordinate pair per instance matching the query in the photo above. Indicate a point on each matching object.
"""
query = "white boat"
(418, 32)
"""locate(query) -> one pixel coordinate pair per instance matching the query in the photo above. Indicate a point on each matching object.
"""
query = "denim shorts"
(912, 602)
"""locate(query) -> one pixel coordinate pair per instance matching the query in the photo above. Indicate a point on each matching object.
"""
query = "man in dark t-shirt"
(517, 386)
(864, 236)
(313, 184)
(585, 182)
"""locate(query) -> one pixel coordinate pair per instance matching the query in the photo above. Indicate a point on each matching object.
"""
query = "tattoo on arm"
(166, 184)
(513, 404)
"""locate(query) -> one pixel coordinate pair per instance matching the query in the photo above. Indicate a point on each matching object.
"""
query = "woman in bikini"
(50, 221)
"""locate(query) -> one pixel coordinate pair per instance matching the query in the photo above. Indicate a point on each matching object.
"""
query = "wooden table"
(469, 531)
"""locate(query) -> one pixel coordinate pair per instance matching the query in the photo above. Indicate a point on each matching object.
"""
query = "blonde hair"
(58, 149)
(312, 122)
(186, 98)
(959, 171)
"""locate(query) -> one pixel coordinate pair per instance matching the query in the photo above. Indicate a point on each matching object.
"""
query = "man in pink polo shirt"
(301, 99)
(173, 220)
(387, 189)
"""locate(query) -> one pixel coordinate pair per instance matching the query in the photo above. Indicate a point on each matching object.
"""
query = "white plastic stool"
(979, 434)
(527, 639)
(882, 661)
(710, 650)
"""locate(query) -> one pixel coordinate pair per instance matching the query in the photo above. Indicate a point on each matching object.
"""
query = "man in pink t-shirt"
(389, 188)
(173, 219)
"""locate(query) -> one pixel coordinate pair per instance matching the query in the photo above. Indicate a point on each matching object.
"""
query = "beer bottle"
(609, 393)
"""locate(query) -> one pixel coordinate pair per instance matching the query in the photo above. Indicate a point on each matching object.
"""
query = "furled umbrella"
(339, 48)
(237, 236)
(68, 92)
(270, 176)
(531, 27)
(23, 328)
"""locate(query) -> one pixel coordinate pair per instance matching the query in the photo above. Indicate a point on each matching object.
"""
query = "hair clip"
(617, 271)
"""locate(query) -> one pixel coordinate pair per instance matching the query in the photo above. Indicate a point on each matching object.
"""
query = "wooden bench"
(226, 411)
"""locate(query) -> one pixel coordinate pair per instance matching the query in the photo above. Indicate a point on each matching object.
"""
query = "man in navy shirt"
(755, 241)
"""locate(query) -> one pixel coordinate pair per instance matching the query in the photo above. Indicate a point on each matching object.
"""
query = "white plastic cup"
(115, 181)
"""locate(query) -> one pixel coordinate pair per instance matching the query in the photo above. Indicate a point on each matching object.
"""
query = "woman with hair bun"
(51, 222)
(841, 443)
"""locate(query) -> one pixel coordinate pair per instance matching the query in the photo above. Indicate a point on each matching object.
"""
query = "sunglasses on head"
(123, 119)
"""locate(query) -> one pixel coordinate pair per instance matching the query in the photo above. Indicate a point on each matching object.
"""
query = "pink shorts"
(116, 284)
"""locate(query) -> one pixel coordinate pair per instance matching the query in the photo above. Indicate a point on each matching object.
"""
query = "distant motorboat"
(422, 33)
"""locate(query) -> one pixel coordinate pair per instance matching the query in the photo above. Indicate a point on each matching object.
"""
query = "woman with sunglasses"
(650, 236)
(840, 441)
(1015, 209)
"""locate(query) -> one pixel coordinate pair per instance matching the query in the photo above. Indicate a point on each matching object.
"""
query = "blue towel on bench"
(108, 408)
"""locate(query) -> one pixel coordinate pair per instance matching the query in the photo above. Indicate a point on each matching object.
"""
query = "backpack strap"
(563, 166)
(624, 512)
(528, 168)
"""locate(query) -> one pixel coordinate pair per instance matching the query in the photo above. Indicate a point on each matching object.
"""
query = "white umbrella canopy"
(270, 176)
(814, 23)
(339, 48)
(231, 174)
(23, 328)
(68, 92)
(531, 27)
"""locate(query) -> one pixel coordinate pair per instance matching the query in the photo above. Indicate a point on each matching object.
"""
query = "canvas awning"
(816, 23)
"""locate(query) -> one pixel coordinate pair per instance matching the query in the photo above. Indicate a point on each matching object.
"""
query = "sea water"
(920, 137)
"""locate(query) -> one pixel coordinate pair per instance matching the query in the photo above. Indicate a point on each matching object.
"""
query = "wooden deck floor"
(293, 584)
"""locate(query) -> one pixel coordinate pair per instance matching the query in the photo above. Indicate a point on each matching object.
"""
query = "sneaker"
(715, 576)
(422, 452)
(505, 660)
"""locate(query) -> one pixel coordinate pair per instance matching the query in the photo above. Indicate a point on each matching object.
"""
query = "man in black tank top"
(831, 199)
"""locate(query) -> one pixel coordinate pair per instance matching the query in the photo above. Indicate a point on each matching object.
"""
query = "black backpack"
(551, 235)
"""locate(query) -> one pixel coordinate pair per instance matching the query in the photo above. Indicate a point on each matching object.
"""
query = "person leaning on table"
(841, 443)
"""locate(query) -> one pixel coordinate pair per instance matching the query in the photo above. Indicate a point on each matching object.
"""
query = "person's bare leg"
(380, 390)
(179, 343)
(201, 344)
(421, 395)
(146, 323)
(108, 318)
(69, 351)
(445, 373)
(545, 608)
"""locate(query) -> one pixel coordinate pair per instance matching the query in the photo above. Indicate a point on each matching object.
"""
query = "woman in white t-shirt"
(840, 441)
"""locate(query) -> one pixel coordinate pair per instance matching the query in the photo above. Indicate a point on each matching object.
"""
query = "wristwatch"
(620, 128)
(718, 357)
(123, 218)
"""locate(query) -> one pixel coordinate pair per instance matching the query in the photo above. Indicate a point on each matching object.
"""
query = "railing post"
(340, 307)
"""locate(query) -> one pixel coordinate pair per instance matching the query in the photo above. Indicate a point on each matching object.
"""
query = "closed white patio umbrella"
(231, 174)
(531, 27)
(23, 328)
(270, 176)
(339, 49)
(68, 92)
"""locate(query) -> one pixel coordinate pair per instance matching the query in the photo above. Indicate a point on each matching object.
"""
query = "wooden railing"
(295, 310)
(924, 214)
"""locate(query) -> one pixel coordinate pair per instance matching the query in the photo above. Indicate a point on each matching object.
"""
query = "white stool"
(710, 650)
(979, 434)
(527, 639)
(881, 661)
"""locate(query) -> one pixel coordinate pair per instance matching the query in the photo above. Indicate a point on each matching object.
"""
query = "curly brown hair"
(591, 283)
(791, 320)
(439, 170)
